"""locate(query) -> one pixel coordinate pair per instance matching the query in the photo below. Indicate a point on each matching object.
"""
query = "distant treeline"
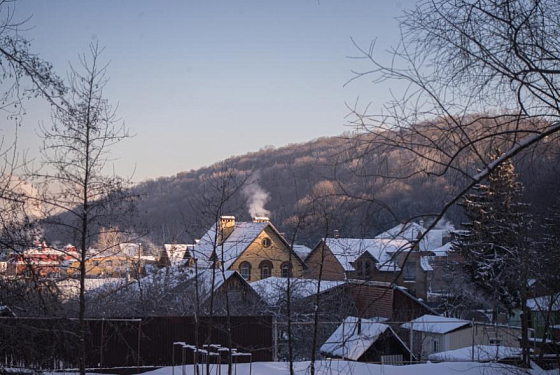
(176, 209)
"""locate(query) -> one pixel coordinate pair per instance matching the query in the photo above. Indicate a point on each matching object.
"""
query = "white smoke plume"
(443, 223)
(256, 198)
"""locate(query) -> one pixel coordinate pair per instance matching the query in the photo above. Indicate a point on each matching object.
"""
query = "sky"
(199, 81)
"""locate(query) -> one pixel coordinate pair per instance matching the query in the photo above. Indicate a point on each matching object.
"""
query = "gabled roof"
(411, 231)
(175, 252)
(347, 342)
(174, 277)
(435, 324)
(243, 234)
(348, 250)
(408, 231)
(273, 290)
(301, 250)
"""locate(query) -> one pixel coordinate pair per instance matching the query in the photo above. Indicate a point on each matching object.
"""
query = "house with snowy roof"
(393, 260)
(434, 334)
(366, 340)
(350, 258)
(255, 249)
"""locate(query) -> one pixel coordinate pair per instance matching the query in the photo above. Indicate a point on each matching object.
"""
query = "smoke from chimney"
(256, 198)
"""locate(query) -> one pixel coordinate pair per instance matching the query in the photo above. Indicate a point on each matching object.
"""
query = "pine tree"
(496, 245)
(495, 241)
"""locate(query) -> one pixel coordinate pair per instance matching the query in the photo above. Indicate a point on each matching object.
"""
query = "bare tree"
(79, 195)
(475, 75)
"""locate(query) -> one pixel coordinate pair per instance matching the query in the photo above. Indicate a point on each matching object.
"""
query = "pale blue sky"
(199, 81)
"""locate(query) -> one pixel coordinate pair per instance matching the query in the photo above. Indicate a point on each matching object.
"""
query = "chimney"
(225, 228)
(336, 233)
(261, 219)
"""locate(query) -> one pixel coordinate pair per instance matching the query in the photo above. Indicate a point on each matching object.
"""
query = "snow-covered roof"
(172, 277)
(129, 249)
(302, 251)
(435, 324)
(442, 250)
(347, 250)
(175, 252)
(482, 353)
(411, 231)
(273, 289)
(347, 342)
(542, 303)
(243, 234)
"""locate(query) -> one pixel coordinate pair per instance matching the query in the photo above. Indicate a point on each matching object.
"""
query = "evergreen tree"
(495, 242)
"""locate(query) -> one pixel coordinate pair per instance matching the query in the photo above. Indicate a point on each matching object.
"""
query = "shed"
(366, 340)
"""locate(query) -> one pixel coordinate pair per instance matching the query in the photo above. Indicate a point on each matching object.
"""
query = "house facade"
(254, 249)
(395, 256)
(434, 334)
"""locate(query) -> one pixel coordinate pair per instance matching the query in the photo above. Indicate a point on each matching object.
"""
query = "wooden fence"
(54, 343)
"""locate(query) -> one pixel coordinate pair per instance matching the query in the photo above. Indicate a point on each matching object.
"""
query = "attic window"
(266, 242)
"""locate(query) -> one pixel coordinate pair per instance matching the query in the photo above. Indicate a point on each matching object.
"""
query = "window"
(109, 263)
(266, 269)
(410, 271)
(360, 269)
(435, 346)
(95, 263)
(368, 269)
(245, 270)
(286, 269)
(266, 242)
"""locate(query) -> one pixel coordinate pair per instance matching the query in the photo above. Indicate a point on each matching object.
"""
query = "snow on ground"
(356, 368)
(482, 353)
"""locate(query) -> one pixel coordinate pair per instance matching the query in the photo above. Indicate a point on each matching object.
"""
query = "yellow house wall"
(332, 270)
(277, 253)
(119, 265)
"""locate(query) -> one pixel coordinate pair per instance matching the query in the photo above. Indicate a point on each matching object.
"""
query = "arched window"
(245, 270)
(286, 269)
(266, 269)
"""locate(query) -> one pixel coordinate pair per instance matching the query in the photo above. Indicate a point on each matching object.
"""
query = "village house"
(41, 261)
(393, 256)
(122, 260)
(434, 334)
(255, 249)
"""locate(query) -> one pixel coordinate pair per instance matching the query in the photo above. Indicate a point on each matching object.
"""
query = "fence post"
(101, 345)
(138, 351)
(275, 330)
(410, 339)
(472, 345)
(343, 339)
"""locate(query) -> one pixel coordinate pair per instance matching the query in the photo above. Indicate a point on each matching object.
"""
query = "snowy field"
(354, 368)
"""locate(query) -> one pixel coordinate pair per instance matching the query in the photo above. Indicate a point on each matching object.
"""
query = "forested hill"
(287, 179)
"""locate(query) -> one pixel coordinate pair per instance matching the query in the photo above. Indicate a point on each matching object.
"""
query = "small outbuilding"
(366, 340)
